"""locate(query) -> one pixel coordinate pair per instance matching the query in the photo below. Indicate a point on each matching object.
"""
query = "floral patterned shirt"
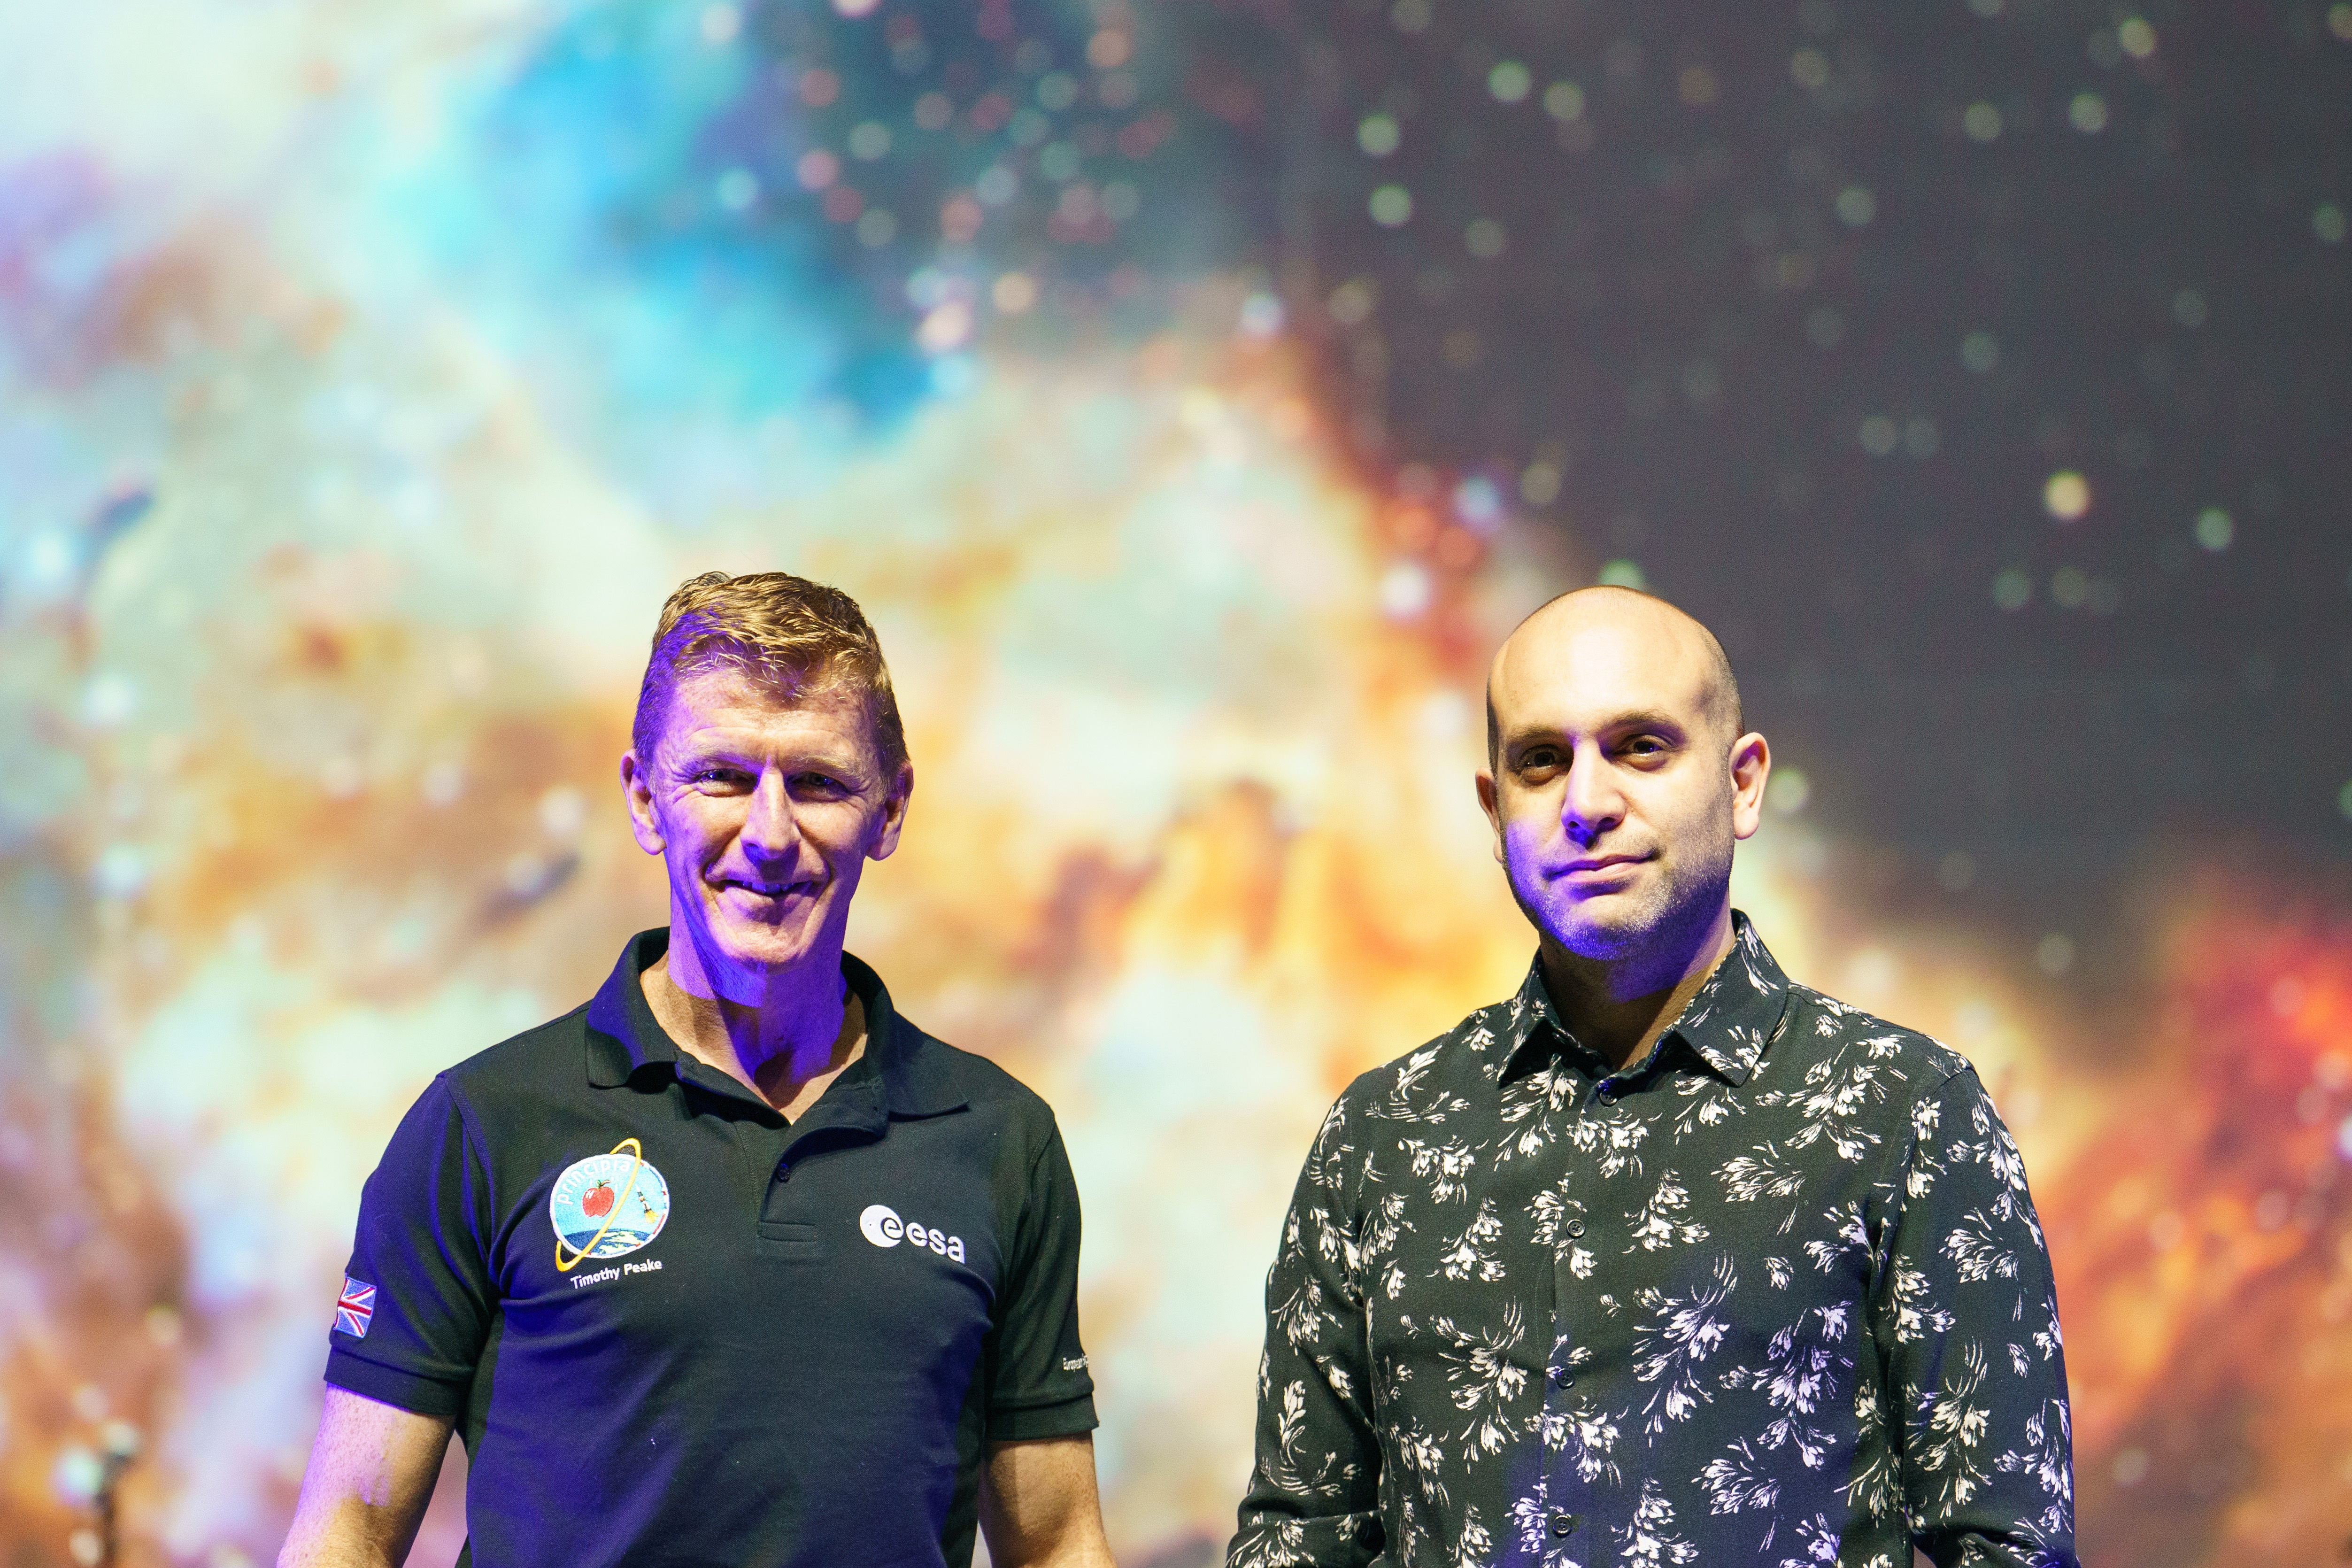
(1775, 1294)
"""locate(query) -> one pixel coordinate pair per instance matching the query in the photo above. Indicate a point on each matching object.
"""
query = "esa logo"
(882, 1227)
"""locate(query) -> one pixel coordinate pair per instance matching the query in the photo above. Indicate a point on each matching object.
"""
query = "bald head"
(1612, 636)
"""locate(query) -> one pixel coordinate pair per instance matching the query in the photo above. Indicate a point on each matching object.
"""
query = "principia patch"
(606, 1205)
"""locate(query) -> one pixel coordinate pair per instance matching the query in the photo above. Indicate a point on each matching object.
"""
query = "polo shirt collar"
(893, 1074)
(1728, 1025)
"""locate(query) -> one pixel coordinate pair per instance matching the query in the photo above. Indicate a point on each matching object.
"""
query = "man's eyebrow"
(1616, 723)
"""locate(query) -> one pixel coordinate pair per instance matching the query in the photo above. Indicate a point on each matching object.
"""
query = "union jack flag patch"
(354, 1308)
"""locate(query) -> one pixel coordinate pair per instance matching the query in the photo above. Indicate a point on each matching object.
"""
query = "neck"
(783, 1032)
(1619, 1007)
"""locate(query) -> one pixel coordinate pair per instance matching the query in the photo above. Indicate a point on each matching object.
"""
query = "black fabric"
(767, 1381)
(1773, 1295)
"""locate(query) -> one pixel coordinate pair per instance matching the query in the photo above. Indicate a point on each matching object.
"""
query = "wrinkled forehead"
(726, 701)
(1576, 673)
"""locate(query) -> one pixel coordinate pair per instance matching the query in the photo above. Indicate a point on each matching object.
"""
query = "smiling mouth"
(765, 889)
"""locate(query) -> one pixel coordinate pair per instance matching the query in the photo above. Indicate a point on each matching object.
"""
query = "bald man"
(1666, 1259)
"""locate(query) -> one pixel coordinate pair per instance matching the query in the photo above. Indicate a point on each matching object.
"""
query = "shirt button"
(1605, 1095)
(1576, 1227)
(784, 1171)
(1563, 1525)
(1561, 1379)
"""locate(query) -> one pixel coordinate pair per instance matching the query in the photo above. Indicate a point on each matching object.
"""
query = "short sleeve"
(417, 1299)
(1967, 1324)
(1038, 1385)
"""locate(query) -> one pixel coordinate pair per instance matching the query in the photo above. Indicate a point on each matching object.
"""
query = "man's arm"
(1314, 1495)
(1967, 1325)
(363, 1493)
(1038, 1506)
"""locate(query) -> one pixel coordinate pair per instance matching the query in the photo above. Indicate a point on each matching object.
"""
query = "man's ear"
(1490, 800)
(1751, 764)
(894, 812)
(636, 785)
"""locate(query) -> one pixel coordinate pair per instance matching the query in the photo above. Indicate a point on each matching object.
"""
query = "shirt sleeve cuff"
(1066, 1418)
(389, 1385)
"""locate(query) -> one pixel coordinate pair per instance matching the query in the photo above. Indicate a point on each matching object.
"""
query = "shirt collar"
(893, 1074)
(1728, 1025)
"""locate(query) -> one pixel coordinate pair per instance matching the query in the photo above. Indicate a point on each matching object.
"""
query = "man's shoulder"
(532, 1062)
(1819, 1034)
(1436, 1070)
(938, 1071)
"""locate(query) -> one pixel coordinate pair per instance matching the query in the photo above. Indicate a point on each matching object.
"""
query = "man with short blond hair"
(1666, 1259)
(733, 1265)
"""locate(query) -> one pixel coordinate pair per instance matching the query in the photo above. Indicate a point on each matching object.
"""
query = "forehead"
(727, 707)
(1578, 671)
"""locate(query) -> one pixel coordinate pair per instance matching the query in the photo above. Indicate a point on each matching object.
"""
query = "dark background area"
(1797, 309)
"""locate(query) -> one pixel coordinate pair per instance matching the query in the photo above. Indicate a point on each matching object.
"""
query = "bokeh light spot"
(737, 189)
(2067, 494)
(1540, 483)
(1479, 503)
(871, 139)
(2069, 586)
(2138, 37)
(1825, 328)
(2055, 954)
(1623, 574)
(1410, 16)
(1810, 68)
(2328, 222)
(2215, 529)
(1484, 238)
(1788, 790)
(2189, 308)
(1697, 87)
(1564, 100)
(1015, 293)
(1110, 48)
(1261, 316)
(2340, 20)
(1879, 435)
(1378, 134)
(720, 24)
(856, 8)
(2013, 589)
(1404, 590)
(1857, 206)
(1509, 82)
(816, 170)
(2088, 114)
(1391, 207)
(1981, 122)
(1981, 351)
(1352, 302)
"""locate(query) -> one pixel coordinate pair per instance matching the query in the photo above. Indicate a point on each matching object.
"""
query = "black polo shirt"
(672, 1327)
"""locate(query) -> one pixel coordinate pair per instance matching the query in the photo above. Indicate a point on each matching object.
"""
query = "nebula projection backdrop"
(1193, 392)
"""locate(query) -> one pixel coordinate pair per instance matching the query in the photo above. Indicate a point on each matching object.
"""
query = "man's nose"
(1593, 803)
(770, 832)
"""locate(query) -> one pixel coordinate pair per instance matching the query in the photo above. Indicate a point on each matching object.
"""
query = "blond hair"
(804, 639)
